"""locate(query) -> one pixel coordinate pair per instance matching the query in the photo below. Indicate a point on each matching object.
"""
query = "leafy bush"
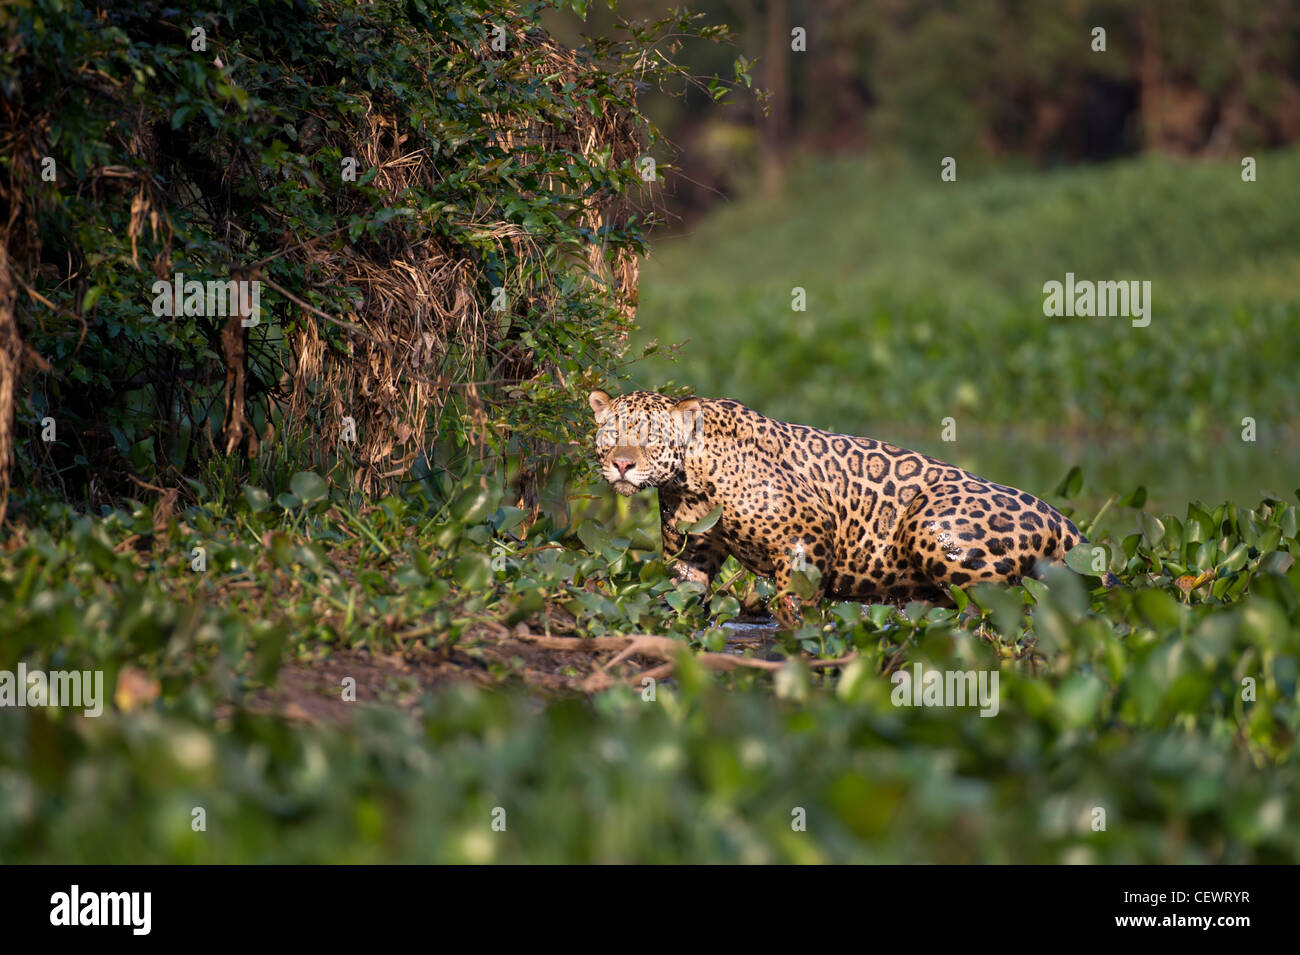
(382, 169)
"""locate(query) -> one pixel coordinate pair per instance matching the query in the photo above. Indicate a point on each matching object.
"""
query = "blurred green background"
(925, 301)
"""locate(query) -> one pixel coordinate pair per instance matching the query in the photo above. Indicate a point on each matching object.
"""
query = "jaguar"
(879, 523)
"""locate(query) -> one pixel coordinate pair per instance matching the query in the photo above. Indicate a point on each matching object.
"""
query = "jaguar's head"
(642, 437)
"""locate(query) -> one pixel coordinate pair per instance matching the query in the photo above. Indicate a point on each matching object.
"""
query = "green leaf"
(1006, 608)
(1078, 698)
(1037, 589)
(804, 583)
(724, 605)
(793, 681)
(258, 500)
(268, 655)
(594, 537)
(473, 571)
(959, 597)
(1082, 559)
(1153, 529)
(849, 613)
(508, 518)
(1237, 559)
(309, 487)
(475, 502)
(1135, 498)
(704, 524)
(1159, 609)
(855, 681)
(1072, 484)
(678, 599)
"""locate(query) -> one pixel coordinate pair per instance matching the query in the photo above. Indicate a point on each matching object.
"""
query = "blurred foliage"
(1132, 700)
(1009, 78)
(924, 301)
(988, 82)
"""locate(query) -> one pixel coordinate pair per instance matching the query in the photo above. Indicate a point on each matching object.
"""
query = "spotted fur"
(880, 523)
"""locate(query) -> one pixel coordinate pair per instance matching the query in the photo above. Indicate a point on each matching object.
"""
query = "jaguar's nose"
(623, 465)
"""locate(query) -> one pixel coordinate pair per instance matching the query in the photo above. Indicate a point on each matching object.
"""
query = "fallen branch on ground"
(658, 648)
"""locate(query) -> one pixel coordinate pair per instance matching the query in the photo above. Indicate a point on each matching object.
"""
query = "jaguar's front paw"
(788, 613)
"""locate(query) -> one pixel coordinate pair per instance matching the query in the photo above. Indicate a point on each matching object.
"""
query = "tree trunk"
(775, 127)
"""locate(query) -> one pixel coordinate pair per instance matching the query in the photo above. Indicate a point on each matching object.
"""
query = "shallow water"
(747, 634)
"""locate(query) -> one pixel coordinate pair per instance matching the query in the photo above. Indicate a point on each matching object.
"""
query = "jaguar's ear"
(686, 418)
(599, 402)
(691, 405)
